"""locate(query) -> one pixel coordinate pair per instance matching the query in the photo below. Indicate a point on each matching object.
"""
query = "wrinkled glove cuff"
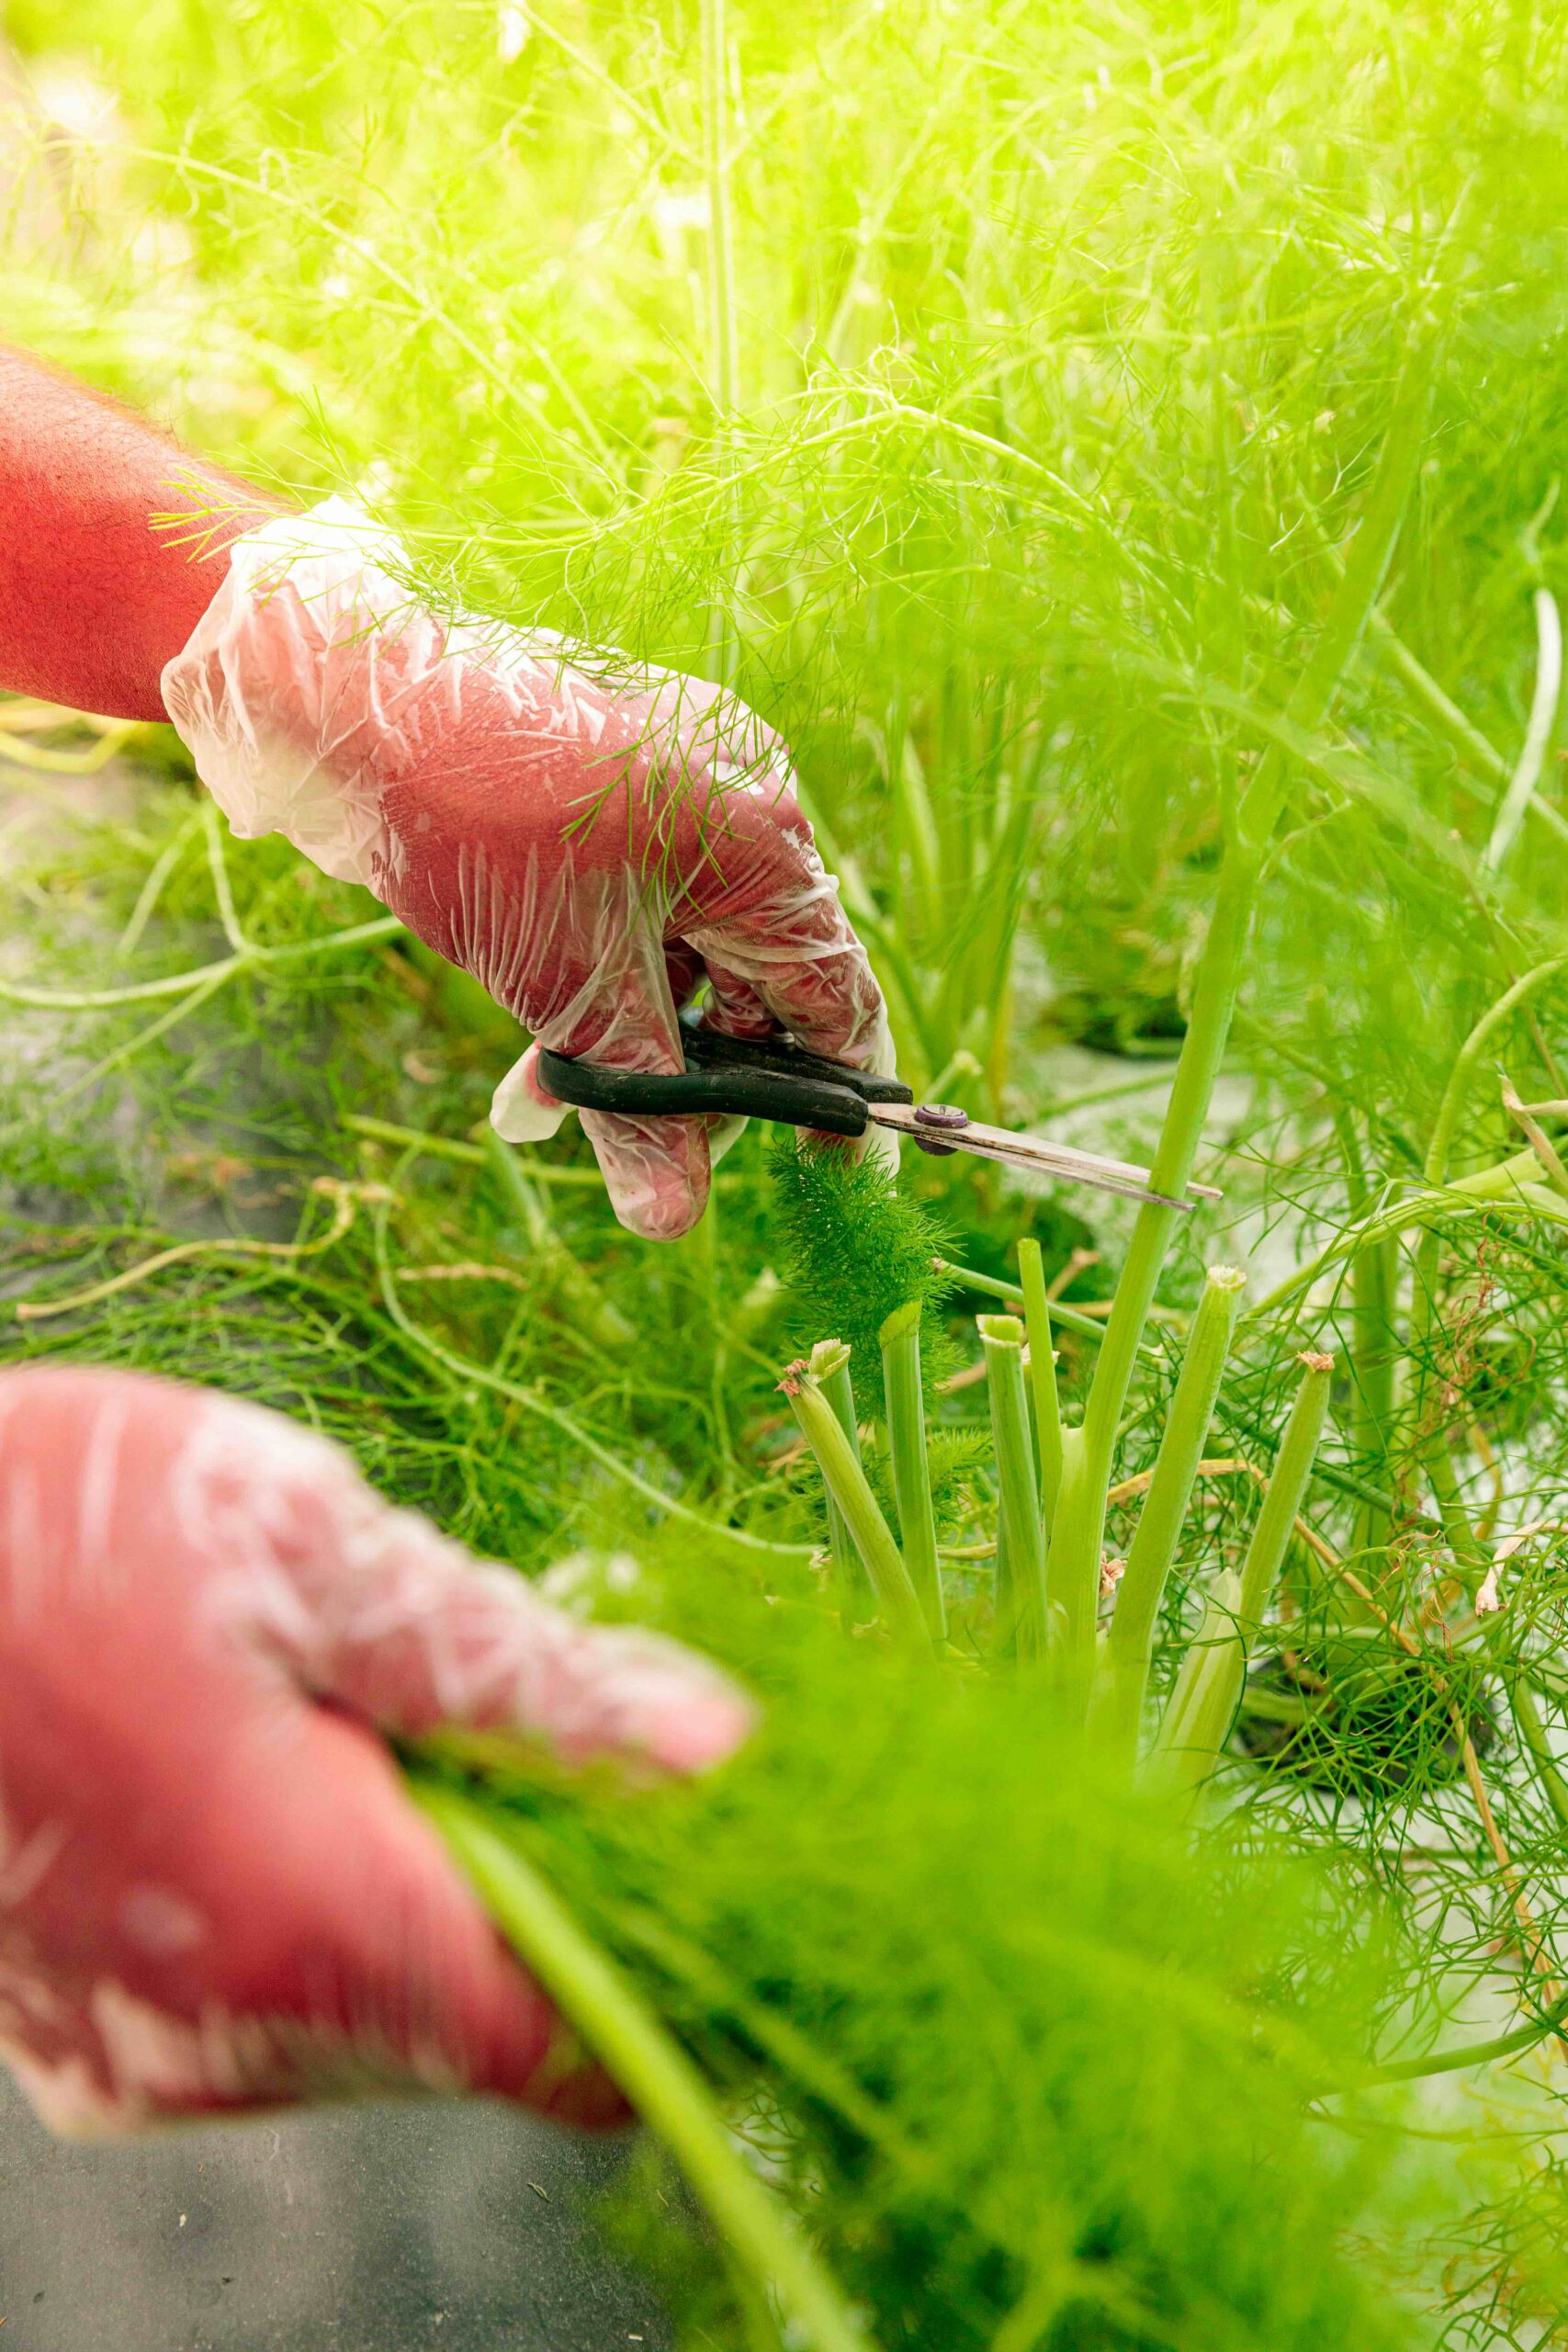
(280, 684)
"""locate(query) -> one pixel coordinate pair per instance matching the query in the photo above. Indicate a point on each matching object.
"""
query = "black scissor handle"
(710, 1049)
(769, 1078)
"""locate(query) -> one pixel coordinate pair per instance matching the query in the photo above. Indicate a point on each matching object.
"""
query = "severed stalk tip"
(902, 1319)
(1001, 1330)
(827, 1357)
(1225, 1278)
(793, 1373)
(1312, 1362)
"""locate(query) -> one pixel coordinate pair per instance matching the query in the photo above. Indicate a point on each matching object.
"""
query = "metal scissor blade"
(1063, 1159)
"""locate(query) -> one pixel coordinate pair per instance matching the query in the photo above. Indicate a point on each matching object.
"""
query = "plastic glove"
(214, 1893)
(588, 849)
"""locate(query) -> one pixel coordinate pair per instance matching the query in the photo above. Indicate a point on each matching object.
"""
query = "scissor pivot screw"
(939, 1115)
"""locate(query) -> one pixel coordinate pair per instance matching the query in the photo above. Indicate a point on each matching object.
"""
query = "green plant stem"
(222, 890)
(1206, 1687)
(846, 1482)
(1374, 1280)
(1431, 1435)
(1532, 1732)
(911, 1465)
(467, 1154)
(470, 1375)
(1473, 2054)
(1538, 734)
(199, 976)
(1373, 1276)
(152, 889)
(474, 1155)
(1203, 1708)
(1079, 1533)
(601, 1318)
(1286, 1492)
(1164, 1508)
(1019, 1533)
(856, 1605)
(992, 1286)
(1042, 1377)
(1468, 1060)
(1466, 738)
(602, 2006)
(1506, 1185)
(1463, 734)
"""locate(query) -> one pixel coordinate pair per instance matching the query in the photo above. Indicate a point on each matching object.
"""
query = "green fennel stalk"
(1020, 1540)
(911, 1464)
(1431, 1432)
(1433, 1442)
(846, 1482)
(849, 1575)
(1374, 1281)
(1042, 1376)
(1203, 1707)
(1125, 1679)
(1011, 1294)
(596, 1998)
(1077, 1541)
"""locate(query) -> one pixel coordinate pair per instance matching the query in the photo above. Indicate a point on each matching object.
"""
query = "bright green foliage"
(496, 1406)
(220, 1128)
(853, 1247)
(1021, 2081)
(1509, 2268)
(1015, 477)
(1064, 344)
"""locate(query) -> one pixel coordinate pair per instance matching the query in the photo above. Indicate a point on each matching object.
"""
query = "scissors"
(772, 1078)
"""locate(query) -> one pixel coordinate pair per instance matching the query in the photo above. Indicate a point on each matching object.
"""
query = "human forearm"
(592, 840)
(93, 597)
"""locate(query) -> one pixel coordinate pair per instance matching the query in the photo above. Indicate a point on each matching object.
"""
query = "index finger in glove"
(788, 955)
(779, 945)
(373, 1607)
(622, 1016)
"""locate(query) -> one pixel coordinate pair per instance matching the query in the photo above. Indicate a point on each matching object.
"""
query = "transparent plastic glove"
(589, 845)
(214, 1893)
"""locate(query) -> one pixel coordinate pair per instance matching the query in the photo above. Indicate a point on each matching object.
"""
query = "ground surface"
(387, 2229)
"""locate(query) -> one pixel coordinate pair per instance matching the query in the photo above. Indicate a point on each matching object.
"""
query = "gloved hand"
(589, 847)
(214, 1893)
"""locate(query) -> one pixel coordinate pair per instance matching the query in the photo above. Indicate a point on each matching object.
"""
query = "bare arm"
(94, 599)
(453, 771)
